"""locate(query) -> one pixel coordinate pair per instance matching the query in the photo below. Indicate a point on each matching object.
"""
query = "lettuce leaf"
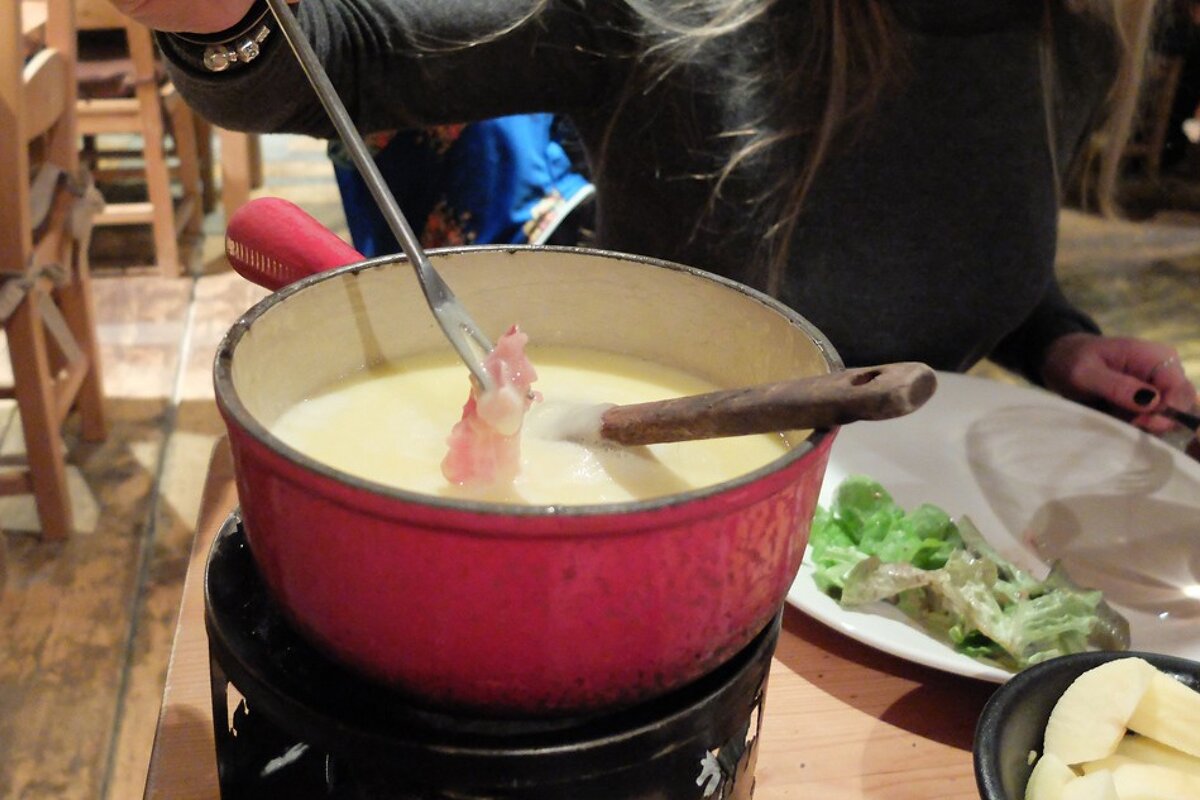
(944, 575)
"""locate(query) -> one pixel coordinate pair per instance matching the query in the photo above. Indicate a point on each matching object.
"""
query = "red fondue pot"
(509, 609)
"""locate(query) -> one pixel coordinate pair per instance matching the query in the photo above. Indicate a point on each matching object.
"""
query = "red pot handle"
(273, 242)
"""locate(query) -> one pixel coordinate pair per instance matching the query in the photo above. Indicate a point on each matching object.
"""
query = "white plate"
(1043, 479)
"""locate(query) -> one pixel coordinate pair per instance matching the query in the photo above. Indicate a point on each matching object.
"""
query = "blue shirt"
(507, 181)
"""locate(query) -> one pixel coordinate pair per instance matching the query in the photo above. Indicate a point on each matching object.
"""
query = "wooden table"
(842, 721)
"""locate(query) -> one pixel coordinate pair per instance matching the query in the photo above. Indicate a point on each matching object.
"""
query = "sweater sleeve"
(409, 63)
(1023, 350)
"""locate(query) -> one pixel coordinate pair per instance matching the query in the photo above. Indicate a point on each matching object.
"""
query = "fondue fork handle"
(1184, 418)
(822, 401)
(463, 333)
(272, 243)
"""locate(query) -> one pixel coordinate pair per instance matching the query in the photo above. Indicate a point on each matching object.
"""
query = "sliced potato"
(1153, 782)
(1099, 785)
(1090, 718)
(1108, 763)
(1148, 751)
(1169, 712)
(1050, 775)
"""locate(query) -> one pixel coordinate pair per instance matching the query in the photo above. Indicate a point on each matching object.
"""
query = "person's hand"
(1132, 378)
(205, 16)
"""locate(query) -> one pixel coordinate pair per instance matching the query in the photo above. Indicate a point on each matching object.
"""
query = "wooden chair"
(1141, 157)
(1151, 127)
(125, 92)
(241, 168)
(45, 289)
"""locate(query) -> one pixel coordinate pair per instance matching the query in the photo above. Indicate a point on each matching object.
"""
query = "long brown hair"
(834, 64)
(851, 51)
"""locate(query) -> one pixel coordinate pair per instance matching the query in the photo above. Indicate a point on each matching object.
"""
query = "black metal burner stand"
(309, 729)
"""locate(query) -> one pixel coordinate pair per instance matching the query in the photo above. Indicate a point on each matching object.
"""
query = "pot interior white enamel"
(329, 326)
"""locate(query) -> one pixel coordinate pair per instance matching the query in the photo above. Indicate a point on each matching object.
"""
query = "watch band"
(240, 43)
(218, 57)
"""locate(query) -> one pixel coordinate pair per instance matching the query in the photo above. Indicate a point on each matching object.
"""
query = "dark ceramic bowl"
(1014, 719)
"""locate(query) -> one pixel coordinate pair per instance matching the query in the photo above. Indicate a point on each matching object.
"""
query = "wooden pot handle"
(822, 401)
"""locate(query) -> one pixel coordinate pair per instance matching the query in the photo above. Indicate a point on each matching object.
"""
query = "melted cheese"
(390, 425)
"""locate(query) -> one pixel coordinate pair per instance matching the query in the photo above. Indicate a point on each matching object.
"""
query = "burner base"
(308, 728)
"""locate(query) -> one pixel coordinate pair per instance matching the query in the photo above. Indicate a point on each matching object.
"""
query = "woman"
(892, 170)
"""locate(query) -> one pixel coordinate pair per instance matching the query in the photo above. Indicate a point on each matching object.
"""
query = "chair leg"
(204, 154)
(256, 160)
(75, 300)
(158, 184)
(236, 170)
(34, 389)
(3, 563)
(183, 131)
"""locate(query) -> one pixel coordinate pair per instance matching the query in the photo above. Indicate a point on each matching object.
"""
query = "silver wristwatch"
(244, 49)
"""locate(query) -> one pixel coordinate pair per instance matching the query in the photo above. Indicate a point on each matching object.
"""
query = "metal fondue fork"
(462, 331)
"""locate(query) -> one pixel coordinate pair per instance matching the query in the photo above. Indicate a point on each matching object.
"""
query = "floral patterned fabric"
(507, 180)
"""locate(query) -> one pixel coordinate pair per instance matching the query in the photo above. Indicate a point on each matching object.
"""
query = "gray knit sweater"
(930, 233)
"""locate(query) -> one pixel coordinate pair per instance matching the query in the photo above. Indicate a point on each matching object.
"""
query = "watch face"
(218, 57)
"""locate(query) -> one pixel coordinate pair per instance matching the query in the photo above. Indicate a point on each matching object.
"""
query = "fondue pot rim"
(231, 405)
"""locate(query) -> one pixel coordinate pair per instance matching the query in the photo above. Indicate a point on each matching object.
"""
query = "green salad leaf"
(944, 575)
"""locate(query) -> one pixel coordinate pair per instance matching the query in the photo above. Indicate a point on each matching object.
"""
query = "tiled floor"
(85, 626)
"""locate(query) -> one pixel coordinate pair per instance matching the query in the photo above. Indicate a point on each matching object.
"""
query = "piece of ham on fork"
(485, 445)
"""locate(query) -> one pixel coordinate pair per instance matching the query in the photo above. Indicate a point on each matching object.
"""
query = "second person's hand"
(1132, 377)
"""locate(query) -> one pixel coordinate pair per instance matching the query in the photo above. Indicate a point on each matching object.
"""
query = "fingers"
(1096, 379)
(1136, 379)
(1133, 377)
(1129, 393)
(1167, 378)
(1169, 362)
